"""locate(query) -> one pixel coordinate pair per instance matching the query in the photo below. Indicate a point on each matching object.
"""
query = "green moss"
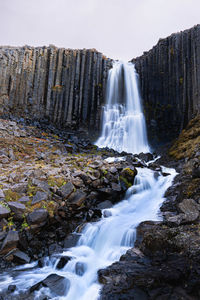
(129, 172)
(123, 179)
(53, 181)
(11, 196)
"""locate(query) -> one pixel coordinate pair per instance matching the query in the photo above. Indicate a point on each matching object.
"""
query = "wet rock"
(10, 242)
(38, 216)
(63, 261)
(71, 240)
(66, 190)
(104, 204)
(145, 156)
(115, 187)
(54, 248)
(20, 257)
(77, 198)
(4, 212)
(11, 288)
(80, 268)
(39, 196)
(57, 284)
(190, 209)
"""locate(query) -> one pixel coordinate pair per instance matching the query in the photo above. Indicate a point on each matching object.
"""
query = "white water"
(124, 127)
(101, 243)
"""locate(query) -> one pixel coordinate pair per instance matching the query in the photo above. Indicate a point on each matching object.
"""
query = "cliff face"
(64, 86)
(170, 83)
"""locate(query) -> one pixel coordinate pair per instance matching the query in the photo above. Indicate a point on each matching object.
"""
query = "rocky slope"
(165, 261)
(49, 185)
(63, 86)
(170, 83)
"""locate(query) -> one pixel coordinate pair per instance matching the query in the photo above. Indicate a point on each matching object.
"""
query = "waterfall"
(102, 243)
(123, 126)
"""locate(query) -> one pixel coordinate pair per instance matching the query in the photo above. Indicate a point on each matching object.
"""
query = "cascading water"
(103, 242)
(124, 127)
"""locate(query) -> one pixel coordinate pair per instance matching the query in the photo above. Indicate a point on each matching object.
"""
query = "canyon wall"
(63, 86)
(170, 83)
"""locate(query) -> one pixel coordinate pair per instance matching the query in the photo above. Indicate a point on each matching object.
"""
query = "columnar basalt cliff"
(170, 83)
(62, 85)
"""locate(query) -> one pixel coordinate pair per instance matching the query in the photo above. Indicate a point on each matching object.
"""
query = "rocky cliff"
(170, 83)
(63, 86)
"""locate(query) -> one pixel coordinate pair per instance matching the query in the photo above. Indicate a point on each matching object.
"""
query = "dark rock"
(80, 268)
(4, 212)
(66, 190)
(105, 204)
(145, 156)
(20, 257)
(77, 198)
(17, 208)
(24, 199)
(54, 248)
(71, 240)
(63, 261)
(190, 209)
(39, 196)
(59, 285)
(11, 288)
(37, 216)
(10, 242)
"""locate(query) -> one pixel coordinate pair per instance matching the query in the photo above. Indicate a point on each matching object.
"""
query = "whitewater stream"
(102, 243)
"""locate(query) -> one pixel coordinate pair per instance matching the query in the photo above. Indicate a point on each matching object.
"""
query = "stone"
(62, 262)
(39, 196)
(24, 199)
(17, 208)
(4, 212)
(2, 195)
(10, 242)
(71, 240)
(77, 198)
(105, 204)
(113, 170)
(20, 257)
(190, 209)
(66, 190)
(38, 216)
(11, 154)
(11, 288)
(59, 285)
(116, 187)
(80, 268)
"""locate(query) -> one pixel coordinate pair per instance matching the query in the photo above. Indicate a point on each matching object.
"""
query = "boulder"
(39, 196)
(71, 240)
(80, 268)
(17, 208)
(63, 261)
(4, 212)
(38, 216)
(77, 198)
(190, 209)
(66, 190)
(57, 284)
(10, 242)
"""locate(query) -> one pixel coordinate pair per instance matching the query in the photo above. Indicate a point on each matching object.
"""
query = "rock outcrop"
(170, 83)
(63, 86)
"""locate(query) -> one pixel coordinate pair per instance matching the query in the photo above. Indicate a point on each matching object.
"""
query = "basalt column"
(170, 83)
(64, 86)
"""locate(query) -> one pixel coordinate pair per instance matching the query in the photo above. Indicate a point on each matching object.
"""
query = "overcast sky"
(121, 29)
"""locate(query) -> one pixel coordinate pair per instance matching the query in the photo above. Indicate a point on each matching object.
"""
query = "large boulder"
(39, 196)
(77, 198)
(190, 209)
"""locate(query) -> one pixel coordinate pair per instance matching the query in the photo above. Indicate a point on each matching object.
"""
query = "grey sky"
(121, 29)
